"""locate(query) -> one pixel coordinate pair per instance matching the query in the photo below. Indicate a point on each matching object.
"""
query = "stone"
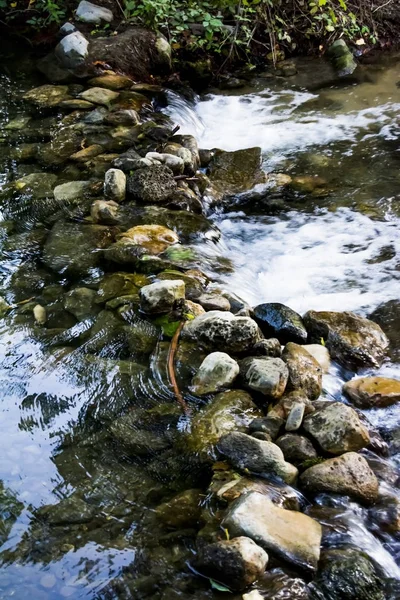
(92, 13)
(337, 429)
(188, 151)
(228, 411)
(341, 58)
(270, 425)
(37, 185)
(221, 330)
(18, 123)
(321, 355)
(309, 184)
(112, 81)
(181, 511)
(255, 516)
(236, 563)
(217, 371)
(81, 302)
(98, 95)
(46, 96)
(350, 574)
(295, 417)
(105, 212)
(373, 392)
(152, 185)
(213, 302)
(115, 185)
(39, 314)
(153, 238)
(348, 474)
(115, 285)
(68, 192)
(175, 163)
(352, 340)
(122, 117)
(280, 321)
(86, 153)
(161, 296)
(76, 104)
(66, 29)
(72, 50)
(270, 347)
(265, 375)
(387, 316)
(296, 448)
(305, 372)
(235, 172)
(257, 456)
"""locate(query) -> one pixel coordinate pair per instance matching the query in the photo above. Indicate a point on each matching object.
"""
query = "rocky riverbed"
(200, 454)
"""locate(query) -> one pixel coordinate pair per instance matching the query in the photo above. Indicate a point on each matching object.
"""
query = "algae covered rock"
(305, 372)
(235, 172)
(81, 302)
(182, 510)
(341, 58)
(153, 238)
(373, 392)
(47, 96)
(217, 371)
(279, 321)
(352, 340)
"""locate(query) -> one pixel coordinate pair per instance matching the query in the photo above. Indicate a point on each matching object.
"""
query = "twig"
(382, 5)
(171, 370)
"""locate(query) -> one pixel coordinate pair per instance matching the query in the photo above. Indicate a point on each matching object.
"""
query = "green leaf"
(218, 586)
(168, 327)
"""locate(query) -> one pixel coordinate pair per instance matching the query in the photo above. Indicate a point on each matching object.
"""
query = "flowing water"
(337, 250)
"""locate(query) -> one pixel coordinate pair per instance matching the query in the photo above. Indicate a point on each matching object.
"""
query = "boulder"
(217, 371)
(115, 185)
(181, 511)
(72, 50)
(373, 392)
(255, 516)
(321, 355)
(223, 331)
(352, 340)
(266, 375)
(305, 372)
(236, 563)
(154, 239)
(46, 96)
(341, 58)
(98, 95)
(337, 428)
(37, 185)
(387, 316)
(280, 321)
(257, 456)
(228, 411)
(296, 448)
(160, 297)
(348, 475)
(235, 172)
(70, 191)
(92, 13)
(153, 184)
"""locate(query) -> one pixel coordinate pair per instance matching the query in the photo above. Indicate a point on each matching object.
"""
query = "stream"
(337, 249)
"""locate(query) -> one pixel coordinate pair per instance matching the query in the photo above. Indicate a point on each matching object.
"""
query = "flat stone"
(337, 429)
(72, 50)
(280, 321)
(153, 238)
(217, 371)
(98, 95)
(46, 96)
(270, 347)
(112, 81)
(349, 475)
(160, 297)
(222, 330)
(214, 302)
(73, 190)
(288, 534)
(266, 375)
(92, 13)
(373, 392)
(87, 153)
(305, 372)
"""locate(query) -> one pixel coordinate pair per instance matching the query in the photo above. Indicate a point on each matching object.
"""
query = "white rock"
(217, 371)
(159, 297)
(175, 163)
(115, 185)
(72, 50)
(321, 355)
(91, 13)
(39, 313)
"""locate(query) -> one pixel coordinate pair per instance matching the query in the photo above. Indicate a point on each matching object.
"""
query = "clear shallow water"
(338, 252)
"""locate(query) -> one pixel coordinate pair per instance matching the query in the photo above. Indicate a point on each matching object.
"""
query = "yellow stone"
(370, 392)
(154, 238)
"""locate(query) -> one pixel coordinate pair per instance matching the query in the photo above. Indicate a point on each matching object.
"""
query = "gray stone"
(68, 192)
(99, 95)
(160, 297)
(271, 347)
(348, 474)
(341, 57)
(105, 212)
(237, 563)
(175, 163)
(72, 50)
(296, 448)
(37, 185)
(115, 185)
(217, 371)
(256, 456)
(92, 13)
(66, 29)
(81, 302)
(337, 429)
(285, 533)
(213, 302)
(305, 372)
(295, 417)
(222, 331)
(266, 375)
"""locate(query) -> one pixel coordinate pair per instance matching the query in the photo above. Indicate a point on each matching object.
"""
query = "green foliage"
(38, 14)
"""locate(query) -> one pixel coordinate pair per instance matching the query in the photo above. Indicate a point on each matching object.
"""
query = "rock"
(72, 50)
(235, 172)
(321, 355)
(270, 425)
(37, 185)
(138, 441)
(309, 184)
(175, 163)
(236, 563)
(270, 347)
(280, 321)
(182, 511)
(296, 448)
(68, 192)
(266, 375)
(123, 117)
(91, 13)
(81, 302)
(105, 212)
(90, 152)
(115, 285)
(348, 474)
(65, 141)
(228, 411)
(305, 372)
(187, 143)
(256, 517)
(39, 314)
(353, 341)
(66, 29)
(153, 238)
(153, 184)
(115, 185)
(373, 392)
(341, 58)
(217, 371)
(112, 81)
(350, 574)
(46, 96)
(98, 95)
(160, 297)
(18, 123)
(387, 315)
(337, 429)
(213, 302)
(257, 456)
(295, 417)
(222, 331)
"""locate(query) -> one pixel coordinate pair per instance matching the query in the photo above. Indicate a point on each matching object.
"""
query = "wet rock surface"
(280, 321)
(373, 392)
(223, 331)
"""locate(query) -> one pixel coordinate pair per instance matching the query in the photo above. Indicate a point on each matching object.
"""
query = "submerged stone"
(46, 96)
